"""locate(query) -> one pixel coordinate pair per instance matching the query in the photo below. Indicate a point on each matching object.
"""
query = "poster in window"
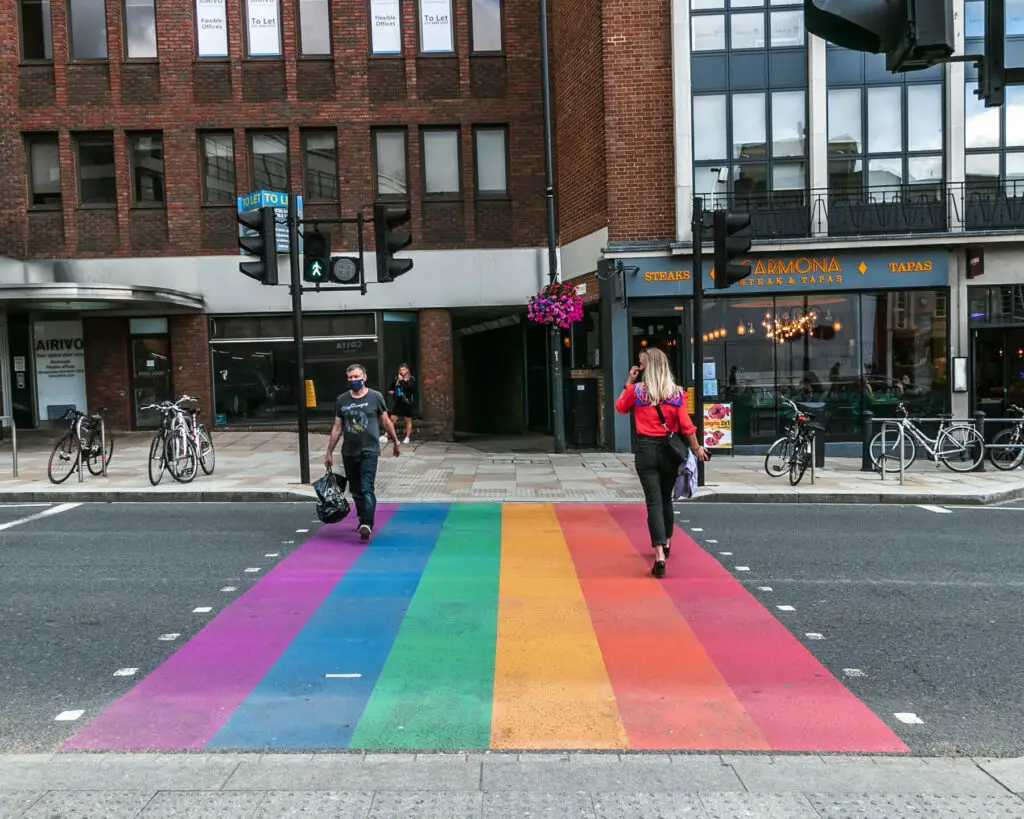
(436, 26)
(264, 25)
(386, 28)
(211, 28)
(718, 426)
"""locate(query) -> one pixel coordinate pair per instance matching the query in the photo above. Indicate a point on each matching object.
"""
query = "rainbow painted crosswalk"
(474, 626)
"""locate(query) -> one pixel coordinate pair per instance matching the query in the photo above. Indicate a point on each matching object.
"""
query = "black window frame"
(377, 195)
(124, 35)
(304, 153)
(130, 143)
(473, 50)
(299, 50)
(203, 187)
(31, 140)
(251, 143)
(84, 138)
(444, 196)
(21, 35)
(72, 57)
(491, 195)
(246, 54)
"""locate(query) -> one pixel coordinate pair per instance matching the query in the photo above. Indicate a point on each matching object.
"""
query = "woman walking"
(403, 396)
(655, 465)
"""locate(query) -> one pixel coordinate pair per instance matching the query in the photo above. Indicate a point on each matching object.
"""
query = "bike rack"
(900, 437)
(103, 449)
(14, 441)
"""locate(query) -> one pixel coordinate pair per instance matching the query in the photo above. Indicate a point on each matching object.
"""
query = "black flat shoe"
(659, 568)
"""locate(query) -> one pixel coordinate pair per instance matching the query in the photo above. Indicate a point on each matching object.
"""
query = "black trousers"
(361, 472)
(657, 475)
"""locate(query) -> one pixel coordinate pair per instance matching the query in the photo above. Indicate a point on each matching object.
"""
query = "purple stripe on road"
(183, 703)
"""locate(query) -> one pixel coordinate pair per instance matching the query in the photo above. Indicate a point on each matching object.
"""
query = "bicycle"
(172, 448)
(1007, 449)
(83, 440)
(199, 435)
(958, 446)
(793, 451)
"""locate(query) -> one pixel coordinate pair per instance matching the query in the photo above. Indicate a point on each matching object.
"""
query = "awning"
(117, 298)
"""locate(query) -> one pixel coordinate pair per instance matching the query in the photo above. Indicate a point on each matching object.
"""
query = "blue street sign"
(279, 202)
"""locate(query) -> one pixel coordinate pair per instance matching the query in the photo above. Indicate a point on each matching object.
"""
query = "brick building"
(129, 129)
(886, 213)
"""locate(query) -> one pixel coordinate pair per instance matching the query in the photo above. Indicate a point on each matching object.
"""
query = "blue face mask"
(356, 384)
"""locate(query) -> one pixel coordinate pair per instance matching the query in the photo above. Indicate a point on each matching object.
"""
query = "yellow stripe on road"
(551, 689)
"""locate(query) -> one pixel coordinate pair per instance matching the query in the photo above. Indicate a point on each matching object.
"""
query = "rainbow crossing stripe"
(476, 626)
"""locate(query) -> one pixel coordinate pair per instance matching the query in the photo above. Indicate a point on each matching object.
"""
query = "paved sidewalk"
(263, 466)
(496, 786)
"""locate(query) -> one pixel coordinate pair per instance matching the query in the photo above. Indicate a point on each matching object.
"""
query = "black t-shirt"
(405, 391)
(360, 421)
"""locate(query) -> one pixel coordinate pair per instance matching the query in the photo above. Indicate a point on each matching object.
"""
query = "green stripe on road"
(435, 690)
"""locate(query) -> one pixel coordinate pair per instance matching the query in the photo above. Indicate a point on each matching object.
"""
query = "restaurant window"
(486, 18)
(218, 168)
(43, 171)
(314, 28)
(269, 161)
(140, 29)
(147, 156)
(391, 168)
(36, 32)
(95, 164)
(320, 158)
(88, 29)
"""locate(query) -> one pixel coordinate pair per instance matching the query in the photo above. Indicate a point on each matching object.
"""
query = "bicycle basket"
(332, 505)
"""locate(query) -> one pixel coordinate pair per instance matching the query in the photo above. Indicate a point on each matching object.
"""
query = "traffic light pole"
(698, 327)
(300, 365)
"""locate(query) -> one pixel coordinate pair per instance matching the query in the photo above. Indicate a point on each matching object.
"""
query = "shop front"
(844, 332)
(996, 322)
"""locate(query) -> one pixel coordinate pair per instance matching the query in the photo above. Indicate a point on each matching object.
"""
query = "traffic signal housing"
(389, 241)
(259, 240)
(732, 239)
(316, 256)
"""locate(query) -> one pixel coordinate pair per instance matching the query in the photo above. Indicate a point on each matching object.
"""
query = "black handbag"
(678, 450)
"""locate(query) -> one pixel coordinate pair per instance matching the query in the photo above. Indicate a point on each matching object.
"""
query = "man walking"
(359, 414)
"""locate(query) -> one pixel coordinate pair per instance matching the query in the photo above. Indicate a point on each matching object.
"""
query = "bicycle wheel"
(1011, 458)
(776, 462)
(960, 448)
(182, 458)
(207, 455)
(64, 458)
(157, 463)
(892, 442)
(93, 459)
(800, 461)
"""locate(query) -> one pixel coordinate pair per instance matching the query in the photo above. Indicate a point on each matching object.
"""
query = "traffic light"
(913, 34)
(316, 255)
(732, 239)
(259, 239)
(389, 241)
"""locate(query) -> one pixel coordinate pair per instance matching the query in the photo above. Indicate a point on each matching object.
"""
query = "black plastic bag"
(332, 505)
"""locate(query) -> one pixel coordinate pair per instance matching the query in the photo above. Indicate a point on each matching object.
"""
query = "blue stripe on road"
(295, 705)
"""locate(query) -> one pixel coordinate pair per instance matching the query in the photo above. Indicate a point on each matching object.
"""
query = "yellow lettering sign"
(910, 267)
(667, 276)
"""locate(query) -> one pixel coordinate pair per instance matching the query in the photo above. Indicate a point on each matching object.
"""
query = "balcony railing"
(882, 211)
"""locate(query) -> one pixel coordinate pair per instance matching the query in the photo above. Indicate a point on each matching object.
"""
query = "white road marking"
(854, 672)
(126, 672)
(342, 676)
(169, 637)
(726, 554)
(229, 589)
(909, 719)
(765, 588)
(272, 554)
(785, 608)
(712, 541)
(68, 716)
(696, 529)
(53, 510)
(813, 635)
(202, 609)
(301, 531)
(22, 505)
(252, 571)
(937, 509)
(743, 568)
(287, 542)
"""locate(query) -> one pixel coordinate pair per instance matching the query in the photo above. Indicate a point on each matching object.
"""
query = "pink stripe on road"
(183, 703)
(792, 698)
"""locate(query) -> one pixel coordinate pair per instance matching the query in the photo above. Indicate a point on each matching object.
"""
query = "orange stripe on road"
(551, 690)
(670, 694)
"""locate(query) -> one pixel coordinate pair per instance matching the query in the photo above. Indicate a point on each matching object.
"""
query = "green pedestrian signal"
(316, 270)
(316, 255)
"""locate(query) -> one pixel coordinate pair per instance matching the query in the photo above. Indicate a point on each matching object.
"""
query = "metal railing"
(103, 445)
(8, 419)
(868, 421)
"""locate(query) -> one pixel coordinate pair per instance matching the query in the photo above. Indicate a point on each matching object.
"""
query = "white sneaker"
(383, 439)
(406, 440)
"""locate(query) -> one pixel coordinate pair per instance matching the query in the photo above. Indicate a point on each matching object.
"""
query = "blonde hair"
(658, 376)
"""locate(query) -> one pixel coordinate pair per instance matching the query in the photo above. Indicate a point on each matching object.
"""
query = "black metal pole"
(300, 366)
(698, 327)
(557, 399)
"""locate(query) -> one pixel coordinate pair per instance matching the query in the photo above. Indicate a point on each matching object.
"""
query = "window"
(708, 32)
(441, 163)
(436, 27)
(36, 36)
(486, 16)
(787, 28)
(390, 165)
(218, 169)
(320, 158)
(709, 138)
(88, 29)
(491, 162)
(994, 140)
(788, 123)
(270, 162)
(747, 31)
(263, 28)
(147, 168)
(748, 126)
(385, 27)
(211, 28)
(140, 29)
(96, 181)
(845, 133)
(314, 28)
(43, 172)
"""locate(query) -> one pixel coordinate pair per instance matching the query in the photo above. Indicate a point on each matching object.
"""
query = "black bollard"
(867, 427)
(979, 424)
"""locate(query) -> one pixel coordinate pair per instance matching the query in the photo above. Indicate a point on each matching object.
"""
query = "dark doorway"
(998, 370)
(667, 334)
(151, 377)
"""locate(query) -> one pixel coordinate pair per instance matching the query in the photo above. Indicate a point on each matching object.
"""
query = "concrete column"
(954, 127)
(817, 131)
(959, 334)
(682, 118)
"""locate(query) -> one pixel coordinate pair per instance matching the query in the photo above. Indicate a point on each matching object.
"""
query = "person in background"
(655, 466)
(358, 417)
(403, 397)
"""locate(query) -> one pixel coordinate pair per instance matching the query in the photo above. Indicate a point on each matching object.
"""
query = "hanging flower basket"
(556, 304)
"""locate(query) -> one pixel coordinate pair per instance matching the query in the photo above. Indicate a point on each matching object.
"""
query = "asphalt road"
(88, 591)
(920, 611)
